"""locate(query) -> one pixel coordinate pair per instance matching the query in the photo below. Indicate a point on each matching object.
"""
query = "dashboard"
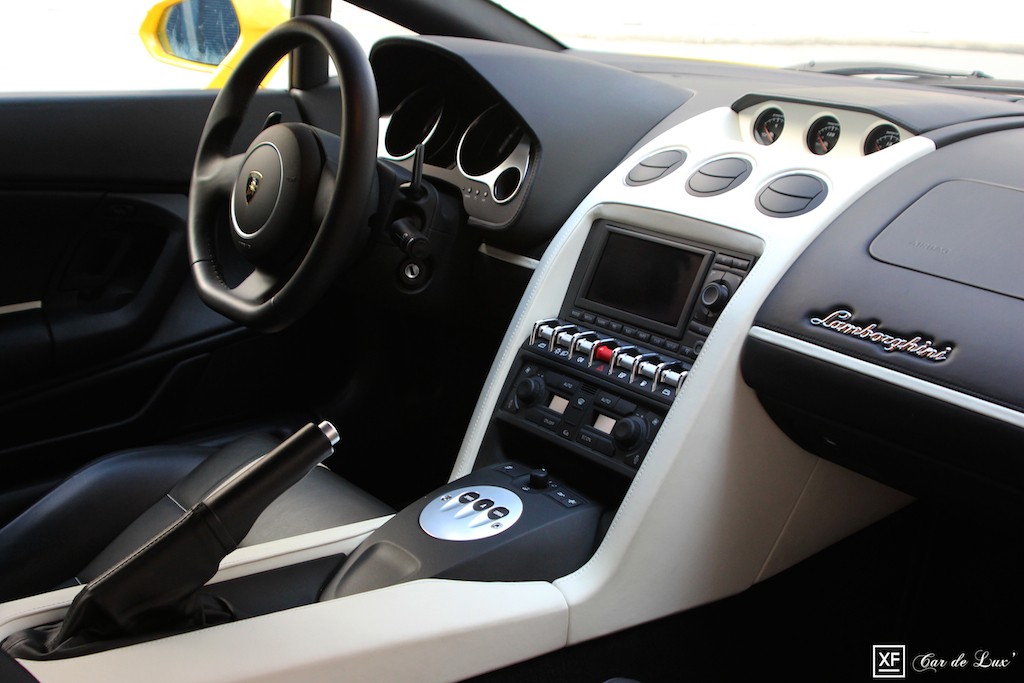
(765, 309)
(718, 203)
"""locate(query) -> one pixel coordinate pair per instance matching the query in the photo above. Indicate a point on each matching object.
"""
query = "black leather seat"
(112, 506)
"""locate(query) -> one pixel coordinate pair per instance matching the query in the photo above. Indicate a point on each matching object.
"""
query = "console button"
(648, 368)
(573, 416)
(644, 384)
(483, 504)
(567, 498)
(599, 442)
(621, 375)
(468, 497)
(624, 407)
(512, 470)
(606, 400)
(635, 459)
(543, 418)
(562, 383)
(604, 353)
(497, 513)
(700, 329)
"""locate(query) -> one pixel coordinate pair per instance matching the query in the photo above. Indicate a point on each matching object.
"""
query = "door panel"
(104, 343)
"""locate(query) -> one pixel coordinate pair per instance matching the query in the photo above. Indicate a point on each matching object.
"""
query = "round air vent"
(716, 177)
(791, 195)
(656, 166)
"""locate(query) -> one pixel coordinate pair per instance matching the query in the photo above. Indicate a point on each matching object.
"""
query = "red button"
(603, 353)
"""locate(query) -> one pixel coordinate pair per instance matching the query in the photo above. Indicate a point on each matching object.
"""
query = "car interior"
(484, 358)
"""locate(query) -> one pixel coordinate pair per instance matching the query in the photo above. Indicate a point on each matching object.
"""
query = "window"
(131, 45)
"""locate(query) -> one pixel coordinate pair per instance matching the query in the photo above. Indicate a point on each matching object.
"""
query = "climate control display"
(595, 395)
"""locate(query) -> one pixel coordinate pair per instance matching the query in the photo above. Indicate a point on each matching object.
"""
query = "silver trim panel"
(468, 514)
(509, 257)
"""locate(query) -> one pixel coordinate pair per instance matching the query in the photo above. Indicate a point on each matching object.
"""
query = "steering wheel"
(296, 199)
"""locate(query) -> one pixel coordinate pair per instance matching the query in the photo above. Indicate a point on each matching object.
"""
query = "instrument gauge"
(769, 125)
(823, 135)
(880, 138)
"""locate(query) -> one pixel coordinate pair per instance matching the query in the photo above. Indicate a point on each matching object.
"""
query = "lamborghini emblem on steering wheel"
(252, 185)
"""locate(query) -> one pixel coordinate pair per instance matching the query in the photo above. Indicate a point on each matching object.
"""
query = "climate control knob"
(530, 390)
(715, 295)
(629, 432)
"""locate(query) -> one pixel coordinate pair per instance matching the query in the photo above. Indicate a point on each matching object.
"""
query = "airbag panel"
(962, 230)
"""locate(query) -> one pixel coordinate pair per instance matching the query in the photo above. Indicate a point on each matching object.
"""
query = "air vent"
(716, 177)
(655, 166)
(791, 195)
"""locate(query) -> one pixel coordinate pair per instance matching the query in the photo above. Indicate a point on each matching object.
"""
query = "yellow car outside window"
(209, 35)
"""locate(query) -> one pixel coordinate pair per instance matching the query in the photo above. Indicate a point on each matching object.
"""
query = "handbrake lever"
(159, 581)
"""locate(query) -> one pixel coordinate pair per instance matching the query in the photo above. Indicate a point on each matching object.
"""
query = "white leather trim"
(920, 386)
(35, 610)
(431, 630)
(18, 308)
(47, 607)
(835, 503)
(288, 551)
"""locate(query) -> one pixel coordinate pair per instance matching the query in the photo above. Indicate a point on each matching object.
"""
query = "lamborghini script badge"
(841, 321)
(252, 184)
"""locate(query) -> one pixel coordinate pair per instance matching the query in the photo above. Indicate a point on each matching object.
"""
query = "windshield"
(980, 35)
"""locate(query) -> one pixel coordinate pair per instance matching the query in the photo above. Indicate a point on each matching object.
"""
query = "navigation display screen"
(652, 280)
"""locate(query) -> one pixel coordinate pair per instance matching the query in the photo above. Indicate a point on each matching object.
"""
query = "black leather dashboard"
(893, 343)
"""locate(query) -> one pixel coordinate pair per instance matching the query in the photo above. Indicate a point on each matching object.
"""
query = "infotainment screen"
(643, 279)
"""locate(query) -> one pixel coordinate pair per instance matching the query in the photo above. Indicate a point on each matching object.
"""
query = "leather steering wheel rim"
(272, 297)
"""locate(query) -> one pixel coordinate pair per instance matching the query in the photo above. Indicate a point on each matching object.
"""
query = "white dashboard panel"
(719, 501)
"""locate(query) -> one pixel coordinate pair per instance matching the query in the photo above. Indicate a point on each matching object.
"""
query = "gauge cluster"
(468, 137)
(819, 131)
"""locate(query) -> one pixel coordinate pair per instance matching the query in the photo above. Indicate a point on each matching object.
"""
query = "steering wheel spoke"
(259, 286)
(219, 174)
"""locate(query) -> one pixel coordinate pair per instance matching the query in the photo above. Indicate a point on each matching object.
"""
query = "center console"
(599, 379)
(501, 523)
(586, 396)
